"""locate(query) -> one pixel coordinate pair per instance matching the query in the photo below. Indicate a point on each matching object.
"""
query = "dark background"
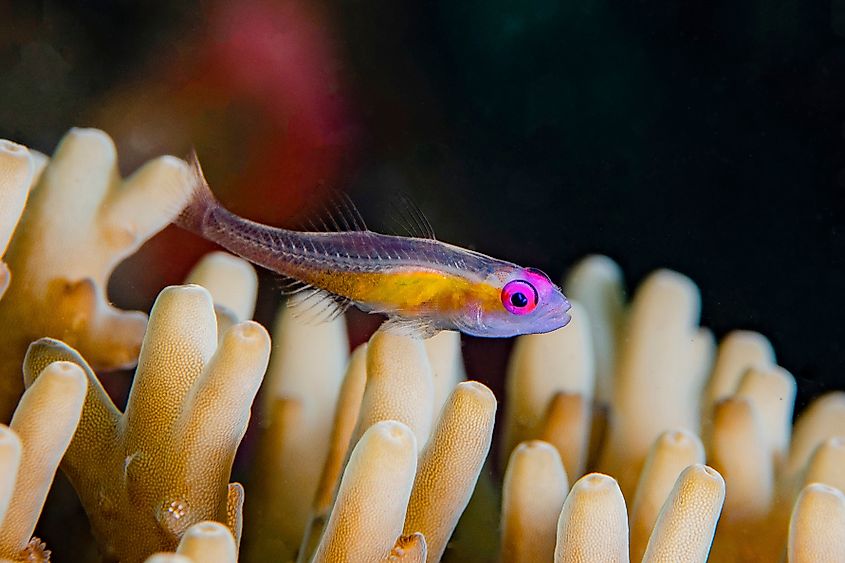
(703, 136)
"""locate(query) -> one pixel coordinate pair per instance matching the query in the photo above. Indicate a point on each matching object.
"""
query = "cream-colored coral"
(740, 452)
(420, 436)
(534, 488)
(827, 465)
(669, 456)
(146, 475)
(80, 221)
(399, 386)
(542, 366)
(30, 451)
(373, 496)
(447, 365)
(460, 441)
(596, 284)
(10, 460)
(772, 392)
(299, 399)
(17, 170)
(822, 420)
(663, 362)
(345, 422)
(232, 283)
(209, 542)
(204, 542)
(738, 351)
(684, 530)
(593, 524)
(817, 527)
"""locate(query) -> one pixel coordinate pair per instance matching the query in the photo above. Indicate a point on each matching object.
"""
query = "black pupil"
(518, 299)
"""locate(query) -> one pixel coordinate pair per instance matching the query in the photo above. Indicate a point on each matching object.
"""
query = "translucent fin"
(201, 200)
(291, 286)
(415, 328)
(316, 305)
(408, 216)
(339, 214)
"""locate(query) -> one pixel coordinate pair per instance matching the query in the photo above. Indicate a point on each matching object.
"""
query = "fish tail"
(201, 201)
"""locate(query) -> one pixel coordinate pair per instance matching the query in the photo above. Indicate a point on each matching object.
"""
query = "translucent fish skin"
(422, 285)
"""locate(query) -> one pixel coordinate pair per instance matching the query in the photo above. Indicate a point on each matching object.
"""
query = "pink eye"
(519, 297)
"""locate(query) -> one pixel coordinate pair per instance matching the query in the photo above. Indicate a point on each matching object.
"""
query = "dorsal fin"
(409, 217)
(338, 214)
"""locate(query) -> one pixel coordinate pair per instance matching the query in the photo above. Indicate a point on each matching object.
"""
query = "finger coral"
(60, 261)
(535, 486)
(299, 398)
(232, 283)
(382, 465)
(146, 475)
(204, 542)
(30, 451)
(379, 455)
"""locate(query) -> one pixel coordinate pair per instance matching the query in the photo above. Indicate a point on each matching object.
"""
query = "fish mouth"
(556, 319)
(564, 319)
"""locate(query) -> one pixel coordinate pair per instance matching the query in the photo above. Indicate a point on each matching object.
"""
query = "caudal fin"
(201, 201)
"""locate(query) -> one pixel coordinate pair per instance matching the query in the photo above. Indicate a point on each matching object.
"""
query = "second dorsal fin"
(409, 217)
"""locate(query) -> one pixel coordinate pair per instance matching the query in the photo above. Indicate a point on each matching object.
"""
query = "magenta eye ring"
(519, 297)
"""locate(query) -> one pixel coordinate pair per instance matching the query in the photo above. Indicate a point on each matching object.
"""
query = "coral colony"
(628, 435)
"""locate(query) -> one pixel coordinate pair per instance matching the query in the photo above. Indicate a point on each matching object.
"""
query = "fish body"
(422, 285)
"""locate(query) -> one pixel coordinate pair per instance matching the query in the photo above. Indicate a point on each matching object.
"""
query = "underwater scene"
(486, 282)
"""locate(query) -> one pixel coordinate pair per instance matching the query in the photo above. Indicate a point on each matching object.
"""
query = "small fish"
(421, 284)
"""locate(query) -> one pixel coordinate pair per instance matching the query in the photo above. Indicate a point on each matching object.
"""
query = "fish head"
(528, 303)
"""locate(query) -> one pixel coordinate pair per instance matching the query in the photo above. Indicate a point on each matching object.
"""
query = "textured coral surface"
(628, 435)
(80, 221)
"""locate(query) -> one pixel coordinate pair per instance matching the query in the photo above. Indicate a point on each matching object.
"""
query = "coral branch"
(145, 476)
(209, 542)
(373, 496)
(16, 175)
(447, 365)
(80, 221)
(596, 283)
(685, 528)
(44, 421)
(593, 524)
(567, 427)
(669, 456)
(663, 363)
(772, 392)
(542, 365)
(738, 351)
(399, 387)
(232, 283)
(740, 452)
(823, 419)
(302, 386)
(827, 465)
(817, 527)
(460, 442)
(10, 460)
(533, 493)
(345, 420)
